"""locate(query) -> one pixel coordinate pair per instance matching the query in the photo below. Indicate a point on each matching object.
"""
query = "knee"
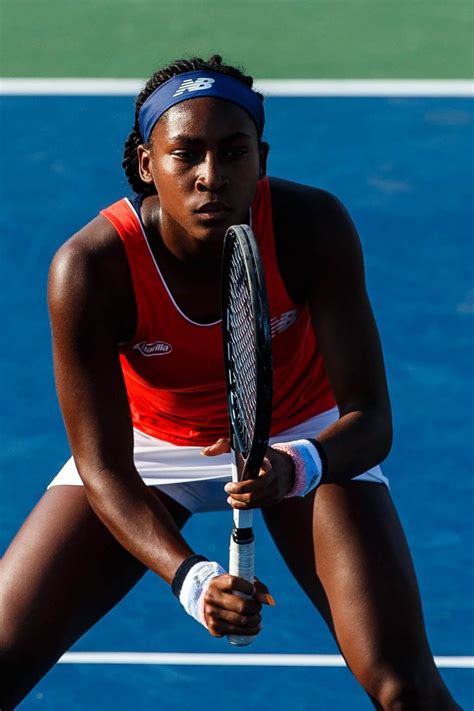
(10, 643)
(411, 690)
(21, 665)
(401, 692)
(11, 658)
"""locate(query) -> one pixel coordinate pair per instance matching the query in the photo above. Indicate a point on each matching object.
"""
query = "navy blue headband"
(193, 85)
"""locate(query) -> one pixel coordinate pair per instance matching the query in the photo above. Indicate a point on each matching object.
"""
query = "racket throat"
(243, 536)
(243, 520)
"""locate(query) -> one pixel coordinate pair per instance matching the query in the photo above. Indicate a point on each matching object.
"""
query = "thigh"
(346, 547)
(62, 572)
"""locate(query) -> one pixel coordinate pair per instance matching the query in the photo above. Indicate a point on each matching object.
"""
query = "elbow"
(384, 437)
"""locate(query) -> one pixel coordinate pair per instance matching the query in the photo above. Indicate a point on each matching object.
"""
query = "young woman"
(134, 302)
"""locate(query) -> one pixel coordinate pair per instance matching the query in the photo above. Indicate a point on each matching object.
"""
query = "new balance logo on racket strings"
(194, 85)
(153, 349)
(281, 323)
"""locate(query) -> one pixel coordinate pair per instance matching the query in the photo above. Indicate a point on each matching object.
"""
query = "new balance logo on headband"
(194, 85)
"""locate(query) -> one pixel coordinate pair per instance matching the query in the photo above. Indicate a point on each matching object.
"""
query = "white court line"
(233, 660)
(269, 87)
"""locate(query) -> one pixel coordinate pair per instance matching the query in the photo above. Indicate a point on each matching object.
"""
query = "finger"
(265, 598)
(222, 446)
(259, 586)
(224, 605)
(265, 467)
(230, 584)
(235, 594)
(220, 629)
(242, 505)
(262, 492)
(222, 617)
(250, 502)
(250, 486)
(262, 593)
(221, 620)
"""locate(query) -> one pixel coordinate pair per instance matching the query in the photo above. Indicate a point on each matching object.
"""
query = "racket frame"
(248, 457)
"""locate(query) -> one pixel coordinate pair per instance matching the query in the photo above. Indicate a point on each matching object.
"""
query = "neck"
(198, 259)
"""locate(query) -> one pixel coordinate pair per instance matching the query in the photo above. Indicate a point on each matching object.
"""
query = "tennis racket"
(248, 365)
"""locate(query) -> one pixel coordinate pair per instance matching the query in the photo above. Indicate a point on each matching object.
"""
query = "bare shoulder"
(90, 271)
(298, 194)
(314, 209)
(90, 252)
(313, 232)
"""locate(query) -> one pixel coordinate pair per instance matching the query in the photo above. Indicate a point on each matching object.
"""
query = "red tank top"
(173, 367)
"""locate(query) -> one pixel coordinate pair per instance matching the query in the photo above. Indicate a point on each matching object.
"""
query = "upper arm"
(342, 313)
(320, 258)
(89, 380)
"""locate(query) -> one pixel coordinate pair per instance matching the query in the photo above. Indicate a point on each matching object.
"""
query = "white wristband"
(308, 465)
(194, 588)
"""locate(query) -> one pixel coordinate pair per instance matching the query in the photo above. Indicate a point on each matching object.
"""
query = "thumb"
(265, 466)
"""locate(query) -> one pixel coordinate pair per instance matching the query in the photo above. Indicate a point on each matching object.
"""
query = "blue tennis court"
(404, 169)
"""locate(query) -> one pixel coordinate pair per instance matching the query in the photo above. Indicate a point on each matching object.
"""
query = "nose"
(211, 175)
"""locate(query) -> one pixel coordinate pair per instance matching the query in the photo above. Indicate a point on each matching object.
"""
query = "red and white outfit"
(174, 372)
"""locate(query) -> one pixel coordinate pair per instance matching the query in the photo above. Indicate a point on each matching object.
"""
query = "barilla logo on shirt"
(198, 84)
(153, 349)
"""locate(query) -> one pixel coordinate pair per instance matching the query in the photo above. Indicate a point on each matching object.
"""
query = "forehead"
(206, 117)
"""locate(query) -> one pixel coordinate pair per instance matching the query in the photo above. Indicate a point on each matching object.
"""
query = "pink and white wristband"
(308, 465)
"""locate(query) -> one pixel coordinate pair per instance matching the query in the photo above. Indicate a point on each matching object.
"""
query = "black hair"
(130, 157)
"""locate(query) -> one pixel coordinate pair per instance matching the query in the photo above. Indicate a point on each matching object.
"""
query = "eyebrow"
(185, 138)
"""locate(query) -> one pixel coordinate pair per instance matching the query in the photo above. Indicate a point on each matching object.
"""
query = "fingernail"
(205, 450)
(269, 600)
(229, 500)
(228, 488)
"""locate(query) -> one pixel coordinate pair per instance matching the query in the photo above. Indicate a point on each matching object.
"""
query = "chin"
(212, 234)
(212, 231)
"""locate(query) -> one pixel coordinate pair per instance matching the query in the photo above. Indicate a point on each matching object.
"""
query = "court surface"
(403, 167)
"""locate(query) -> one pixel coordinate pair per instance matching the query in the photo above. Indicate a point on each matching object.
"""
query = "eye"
(187, 156)
(236, 152)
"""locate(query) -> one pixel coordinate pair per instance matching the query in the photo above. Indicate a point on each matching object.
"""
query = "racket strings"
(242, 350)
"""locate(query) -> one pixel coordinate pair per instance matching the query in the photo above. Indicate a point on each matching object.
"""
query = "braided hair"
(180, 66)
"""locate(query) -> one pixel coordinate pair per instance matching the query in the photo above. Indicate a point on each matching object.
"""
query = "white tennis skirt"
(195, 481)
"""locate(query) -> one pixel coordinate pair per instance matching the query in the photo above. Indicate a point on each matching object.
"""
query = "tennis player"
(134, 301)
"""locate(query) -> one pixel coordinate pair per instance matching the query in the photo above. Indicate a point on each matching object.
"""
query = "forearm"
(357, 441)
(137, 519)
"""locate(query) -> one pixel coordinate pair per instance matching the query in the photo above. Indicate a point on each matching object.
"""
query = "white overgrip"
(241, 557)
(242, 564)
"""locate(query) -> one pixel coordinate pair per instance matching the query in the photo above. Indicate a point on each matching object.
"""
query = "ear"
(144, 164)
(264, 149)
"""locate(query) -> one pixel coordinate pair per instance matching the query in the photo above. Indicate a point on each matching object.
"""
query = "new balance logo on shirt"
(281, 323)
(194, 85)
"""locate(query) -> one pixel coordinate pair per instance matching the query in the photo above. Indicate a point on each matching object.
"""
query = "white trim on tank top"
(163, 281)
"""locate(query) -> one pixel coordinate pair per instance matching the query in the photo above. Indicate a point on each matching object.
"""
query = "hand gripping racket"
(248, 364)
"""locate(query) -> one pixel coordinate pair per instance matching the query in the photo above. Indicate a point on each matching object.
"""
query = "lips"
(213, 213)
(213, 208)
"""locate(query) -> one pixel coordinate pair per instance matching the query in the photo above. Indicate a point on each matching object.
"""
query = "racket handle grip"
(242, 564)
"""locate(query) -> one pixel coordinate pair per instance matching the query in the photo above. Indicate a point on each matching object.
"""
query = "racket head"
(247, 348)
